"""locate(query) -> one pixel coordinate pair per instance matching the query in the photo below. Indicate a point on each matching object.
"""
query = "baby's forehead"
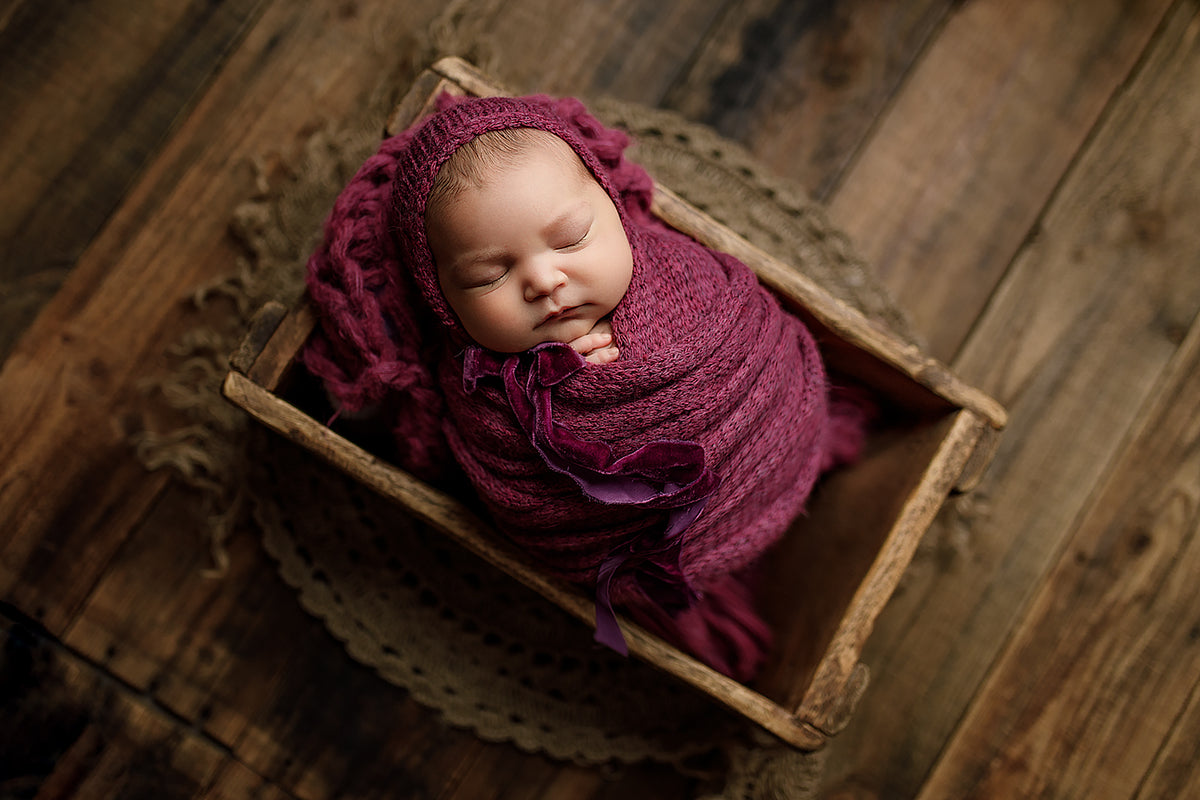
(513, 148)
(492, 156)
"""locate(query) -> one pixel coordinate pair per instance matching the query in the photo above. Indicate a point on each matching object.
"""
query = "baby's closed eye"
(571, 230)
(571, 243)
(480, 276)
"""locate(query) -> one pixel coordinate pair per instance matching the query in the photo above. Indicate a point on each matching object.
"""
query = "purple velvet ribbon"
(664, 474)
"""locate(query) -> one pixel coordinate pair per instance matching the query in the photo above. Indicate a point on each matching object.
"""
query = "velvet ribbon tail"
(664, 474)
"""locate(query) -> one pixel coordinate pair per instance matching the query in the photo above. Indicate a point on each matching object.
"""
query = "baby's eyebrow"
(486, 255)
(574, 213)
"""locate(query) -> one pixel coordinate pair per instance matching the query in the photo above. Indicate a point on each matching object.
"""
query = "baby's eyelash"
(578, 241)
(492, 282)
(484, 283)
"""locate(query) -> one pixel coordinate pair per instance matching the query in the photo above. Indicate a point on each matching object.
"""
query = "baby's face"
(536, 254)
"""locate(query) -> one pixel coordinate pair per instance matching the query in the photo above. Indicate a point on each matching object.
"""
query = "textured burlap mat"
(484, 651)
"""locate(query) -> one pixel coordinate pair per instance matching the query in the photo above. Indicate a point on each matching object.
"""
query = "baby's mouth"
(555, 315)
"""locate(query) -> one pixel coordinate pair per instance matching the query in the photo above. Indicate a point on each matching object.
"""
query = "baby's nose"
(542, 278)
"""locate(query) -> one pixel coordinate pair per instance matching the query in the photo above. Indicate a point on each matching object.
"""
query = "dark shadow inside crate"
(304, 391)
(814, 573)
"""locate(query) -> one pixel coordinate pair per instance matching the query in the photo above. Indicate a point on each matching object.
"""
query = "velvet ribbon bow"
(664, 474)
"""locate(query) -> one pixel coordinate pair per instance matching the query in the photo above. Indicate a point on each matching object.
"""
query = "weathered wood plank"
(238, 657)
(65, 514)
(70, 731)
(65, 164)
(497, 775)
(235, 781)
(1073, 344)
(71, 384)
(493, 775)
(1087, 692)
(629, 49)
(801, 84)
(965, 160)
(1176, 772)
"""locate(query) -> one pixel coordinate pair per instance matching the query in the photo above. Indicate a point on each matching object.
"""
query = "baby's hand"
(597, 346)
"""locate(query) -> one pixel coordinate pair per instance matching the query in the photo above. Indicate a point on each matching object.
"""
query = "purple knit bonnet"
(457, 122)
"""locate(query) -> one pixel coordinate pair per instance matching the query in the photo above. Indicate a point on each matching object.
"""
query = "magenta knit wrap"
(656, 480)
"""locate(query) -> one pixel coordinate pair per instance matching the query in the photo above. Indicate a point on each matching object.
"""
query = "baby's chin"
(568, 330)
(563, 331)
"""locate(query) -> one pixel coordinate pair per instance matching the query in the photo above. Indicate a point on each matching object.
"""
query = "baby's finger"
(591, 341)
(604, 355)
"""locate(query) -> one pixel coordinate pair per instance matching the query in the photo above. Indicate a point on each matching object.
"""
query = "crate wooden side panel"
(832, 574)
(850, 342)
(827, 697)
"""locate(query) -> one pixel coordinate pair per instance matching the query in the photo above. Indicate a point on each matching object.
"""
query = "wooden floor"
(1024, 176)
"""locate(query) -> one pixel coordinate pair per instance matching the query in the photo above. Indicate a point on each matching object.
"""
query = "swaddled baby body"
(635, 410)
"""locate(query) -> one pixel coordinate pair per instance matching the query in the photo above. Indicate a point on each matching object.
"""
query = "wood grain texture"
(69, 484)
(457, 522)
(1073, 343)
(802, 83)
(70, 730)
(239, 658)
(966, 158)
(1176, 770)
(1114, 634)
(629, 49)
(65, 167)
(943, 176)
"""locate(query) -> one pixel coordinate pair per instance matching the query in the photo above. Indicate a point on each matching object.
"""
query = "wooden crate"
(836, 567)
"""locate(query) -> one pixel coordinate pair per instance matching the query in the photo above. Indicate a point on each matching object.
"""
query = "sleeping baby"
(636, 412)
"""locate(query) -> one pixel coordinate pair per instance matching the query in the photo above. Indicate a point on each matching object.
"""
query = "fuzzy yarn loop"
(370, 349)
